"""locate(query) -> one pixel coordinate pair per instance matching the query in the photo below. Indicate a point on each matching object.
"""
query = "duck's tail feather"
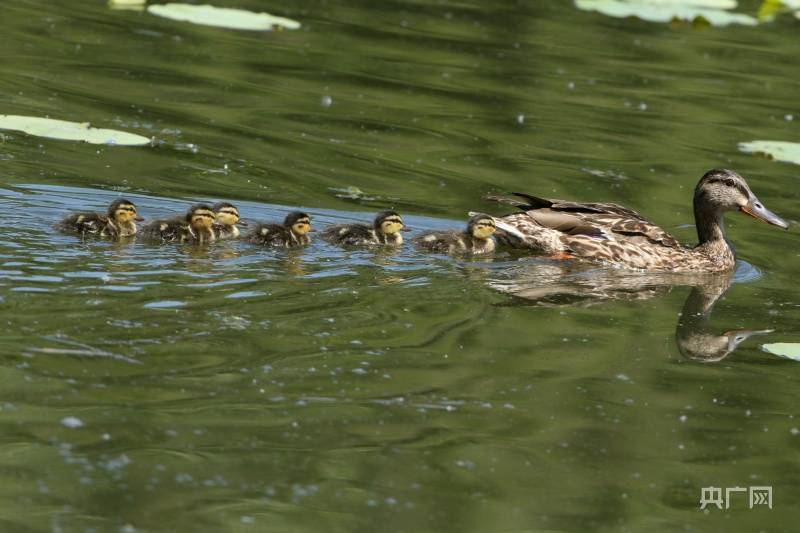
(521, 201)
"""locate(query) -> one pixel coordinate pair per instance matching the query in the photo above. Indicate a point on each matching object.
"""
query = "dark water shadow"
(560, 284)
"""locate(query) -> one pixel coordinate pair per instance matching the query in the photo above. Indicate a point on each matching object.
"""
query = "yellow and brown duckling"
(195, 226)
(477, 239)
(119, 221)
(293, 232)
(385, 229)
(225, 226)
(616, 235)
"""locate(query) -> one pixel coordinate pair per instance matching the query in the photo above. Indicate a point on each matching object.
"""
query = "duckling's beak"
(138, 218)
(242, 222)
(405, 229)
(756, 209)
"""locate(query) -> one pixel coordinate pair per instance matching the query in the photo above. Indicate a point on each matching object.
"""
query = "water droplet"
(72, 422)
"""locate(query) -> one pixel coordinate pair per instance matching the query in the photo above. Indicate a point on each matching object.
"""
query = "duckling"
(119, 221)
(227, 218)
(196, 226)
(293, 232)
(385, 229)
(476, 239)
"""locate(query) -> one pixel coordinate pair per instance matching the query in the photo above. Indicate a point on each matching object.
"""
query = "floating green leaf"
(790, 350)
(778, 150)
(132, 5)
(69, 131)
(236, 19)
(712, 11)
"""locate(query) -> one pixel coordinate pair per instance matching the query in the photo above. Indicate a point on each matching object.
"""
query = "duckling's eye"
(729, 182)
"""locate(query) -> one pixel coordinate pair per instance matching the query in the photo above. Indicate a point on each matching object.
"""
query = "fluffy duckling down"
(293, 232)
(385, 229)
(119, 221)
(477, 239)
(195, 226)
(225, 226)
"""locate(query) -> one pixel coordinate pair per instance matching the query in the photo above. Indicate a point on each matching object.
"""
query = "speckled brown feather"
(621, 237)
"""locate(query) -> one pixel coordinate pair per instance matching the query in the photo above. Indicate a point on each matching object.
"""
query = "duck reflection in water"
(555, 284)
(696, 338)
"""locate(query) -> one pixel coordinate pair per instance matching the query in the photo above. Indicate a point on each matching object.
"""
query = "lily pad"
(69, 131)
(712, 11)
(132, 5)
(790, 350)
(787, 152)
(222, 17)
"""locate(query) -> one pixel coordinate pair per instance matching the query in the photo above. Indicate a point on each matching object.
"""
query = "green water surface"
(230, 388)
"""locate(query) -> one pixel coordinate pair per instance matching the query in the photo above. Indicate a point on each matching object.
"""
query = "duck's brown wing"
(592, 219)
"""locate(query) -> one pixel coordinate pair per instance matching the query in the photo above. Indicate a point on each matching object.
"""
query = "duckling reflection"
(555, 284)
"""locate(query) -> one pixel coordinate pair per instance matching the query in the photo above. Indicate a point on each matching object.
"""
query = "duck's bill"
(138, 218)
(756, 209)
(405, 229)
(242, 223)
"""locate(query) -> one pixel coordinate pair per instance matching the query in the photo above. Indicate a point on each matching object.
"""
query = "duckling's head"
(298, 222)
(123, 211)
(226, 213)
(200, 216)
(388, 223)
(481, 226)
(721, 190)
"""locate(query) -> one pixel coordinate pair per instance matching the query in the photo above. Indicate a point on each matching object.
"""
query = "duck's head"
(298, 222)
(721, 190)
(481, 226)
(123, 211)
(200, 216)
(389, 223)
(227, 214)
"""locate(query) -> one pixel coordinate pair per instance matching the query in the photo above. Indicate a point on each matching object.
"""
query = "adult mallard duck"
(119, 221)
(475, 240)
(293, 232)
(616, 235)
(195, 226)
(227, 218)
(385, 229)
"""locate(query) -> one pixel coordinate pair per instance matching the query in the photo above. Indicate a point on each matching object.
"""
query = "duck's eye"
(729, 182)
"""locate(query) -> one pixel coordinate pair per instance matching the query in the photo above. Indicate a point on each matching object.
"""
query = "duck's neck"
(710, 226)
(202, 233)
(128, 228)
(388, 238)
(299, 239)
(230, 230)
